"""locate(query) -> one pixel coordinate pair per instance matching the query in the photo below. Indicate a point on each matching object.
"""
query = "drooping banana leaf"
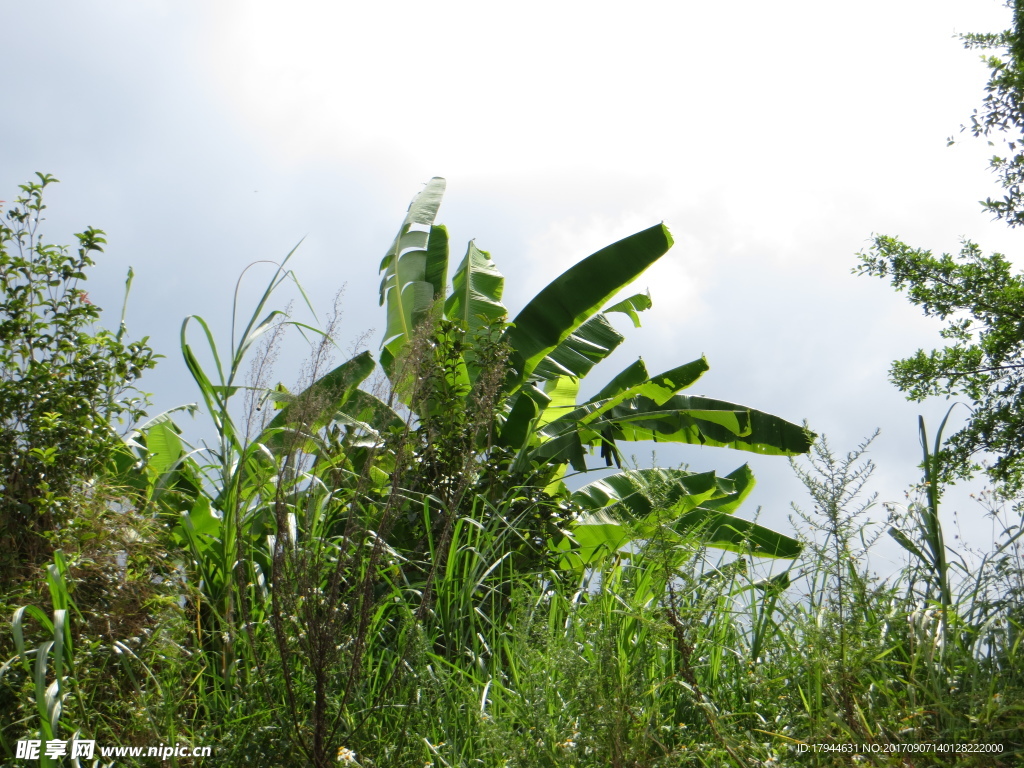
(591, 343)
(597, 537)
(564, 438)
(153, 466)
(666, 503)
(634, 381)
(722, 531)
(742, 483)
(561, 394)
(369, 413)
(163, 447)
(704, 421)
(652, 496)
(639, 302)
(578, 294)
(413, 270)
(519, 424)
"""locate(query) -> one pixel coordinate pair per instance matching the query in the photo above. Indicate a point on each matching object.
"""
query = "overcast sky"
(772, 138)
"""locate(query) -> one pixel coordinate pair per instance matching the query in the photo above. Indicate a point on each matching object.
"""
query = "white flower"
(346, 755)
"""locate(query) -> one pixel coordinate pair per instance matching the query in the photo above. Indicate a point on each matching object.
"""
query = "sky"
(773, 140)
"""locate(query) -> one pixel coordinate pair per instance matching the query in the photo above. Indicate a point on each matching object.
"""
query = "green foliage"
(670, 505)
(529, 424)
(1003, 110)
(916, 643)
(981, 300)
(397, 575)
(836, 579)
(338, 525)
(932, 554)
(106, 646)
(63, 383)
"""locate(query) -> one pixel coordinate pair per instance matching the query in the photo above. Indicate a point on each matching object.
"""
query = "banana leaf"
(578, 294)
(412, 269)
(673, 504)
(704, 421)
(475, 301)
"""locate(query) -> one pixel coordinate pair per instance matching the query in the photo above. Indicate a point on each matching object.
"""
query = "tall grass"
(644, 665)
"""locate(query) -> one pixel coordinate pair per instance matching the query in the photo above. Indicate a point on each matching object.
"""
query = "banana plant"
(553, 342)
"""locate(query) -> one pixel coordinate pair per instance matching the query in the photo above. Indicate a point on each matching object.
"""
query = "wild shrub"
(64, 384)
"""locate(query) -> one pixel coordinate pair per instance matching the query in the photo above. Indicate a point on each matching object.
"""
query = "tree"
(1003, 111)
(62, 382)
(981, 300)
(978, 297)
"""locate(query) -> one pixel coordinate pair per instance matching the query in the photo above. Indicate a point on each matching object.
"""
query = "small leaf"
(631, 306)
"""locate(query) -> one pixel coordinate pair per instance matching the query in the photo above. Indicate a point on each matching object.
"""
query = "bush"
(62, 382)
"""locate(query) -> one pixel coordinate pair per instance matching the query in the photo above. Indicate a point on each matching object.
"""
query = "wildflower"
(346, 755)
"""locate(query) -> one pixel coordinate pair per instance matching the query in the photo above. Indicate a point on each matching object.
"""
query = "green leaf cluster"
(1003, 111)
(980, 299)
